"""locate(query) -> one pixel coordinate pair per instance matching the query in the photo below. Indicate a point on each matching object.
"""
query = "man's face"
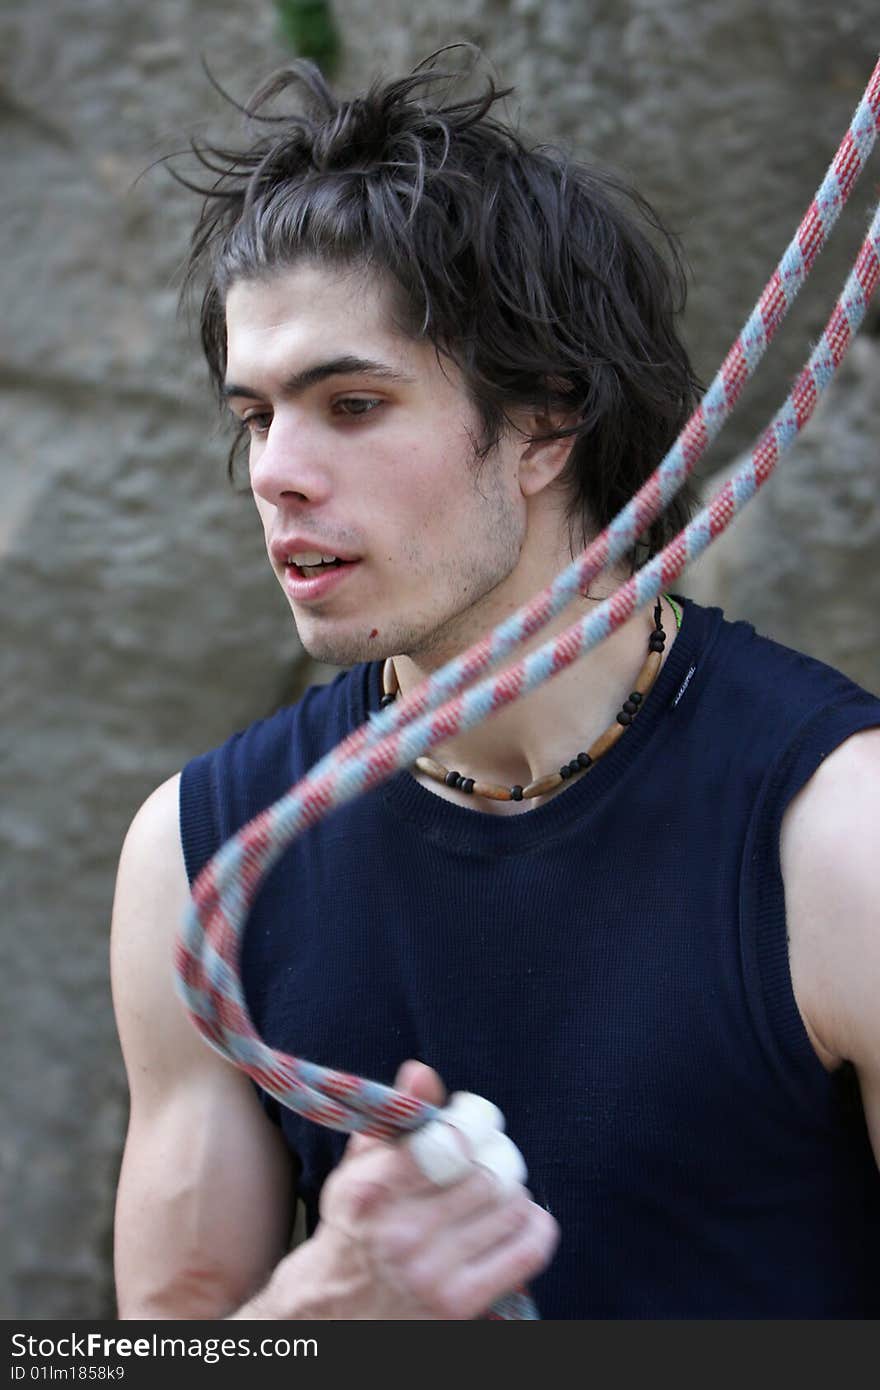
(362, 448)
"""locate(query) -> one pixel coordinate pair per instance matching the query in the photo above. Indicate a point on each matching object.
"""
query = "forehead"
(290, 316)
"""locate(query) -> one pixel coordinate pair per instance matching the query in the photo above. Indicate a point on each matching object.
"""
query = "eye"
(258, 423)
(356, 405)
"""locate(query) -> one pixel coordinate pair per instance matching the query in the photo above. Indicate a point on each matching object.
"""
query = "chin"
(341, 649)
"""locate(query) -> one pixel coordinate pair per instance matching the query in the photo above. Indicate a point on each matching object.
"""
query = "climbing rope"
(209, 944)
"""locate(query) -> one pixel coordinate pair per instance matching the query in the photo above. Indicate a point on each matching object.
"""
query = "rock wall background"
(139, 624)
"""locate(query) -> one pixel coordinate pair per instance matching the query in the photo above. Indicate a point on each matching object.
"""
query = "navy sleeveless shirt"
(611, 969)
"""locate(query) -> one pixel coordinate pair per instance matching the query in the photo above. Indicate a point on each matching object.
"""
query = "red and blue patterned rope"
(208, 948)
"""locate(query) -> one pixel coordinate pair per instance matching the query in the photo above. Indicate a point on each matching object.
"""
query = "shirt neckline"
(480, 832)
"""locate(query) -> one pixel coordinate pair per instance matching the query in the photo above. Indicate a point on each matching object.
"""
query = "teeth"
(310, 557)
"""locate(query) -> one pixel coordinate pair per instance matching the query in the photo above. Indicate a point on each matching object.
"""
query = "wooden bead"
(648, 673)
(390, 683)
(606, 741)
(432, 768)
(542, 785)
(492, 790)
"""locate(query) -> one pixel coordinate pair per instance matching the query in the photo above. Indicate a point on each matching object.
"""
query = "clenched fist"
(392, 1245)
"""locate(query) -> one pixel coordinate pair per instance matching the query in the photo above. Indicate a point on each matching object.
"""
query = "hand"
(392, 1245)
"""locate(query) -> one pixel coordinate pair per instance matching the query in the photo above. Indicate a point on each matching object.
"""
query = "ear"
(543, 460)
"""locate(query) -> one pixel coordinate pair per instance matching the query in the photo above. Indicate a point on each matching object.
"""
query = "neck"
(535, 735)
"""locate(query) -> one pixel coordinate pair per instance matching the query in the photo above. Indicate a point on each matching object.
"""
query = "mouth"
(307, 563)
(311, 576)
(314, 568)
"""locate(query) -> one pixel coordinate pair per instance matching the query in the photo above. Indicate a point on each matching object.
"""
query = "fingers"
(512, 1261)
(465, 1222)
(387, 1175)
(422, 1215)
(457, 1267)
(469, 1129)
(421, 1081)
(414, 1079)
(443, 1152)
(409, 1247)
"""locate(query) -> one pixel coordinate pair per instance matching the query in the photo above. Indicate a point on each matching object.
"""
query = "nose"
(288, 463)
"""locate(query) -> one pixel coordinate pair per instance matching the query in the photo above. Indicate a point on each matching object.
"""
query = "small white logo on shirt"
(684, 685)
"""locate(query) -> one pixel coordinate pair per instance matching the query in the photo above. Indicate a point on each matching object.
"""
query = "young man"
(655, 948)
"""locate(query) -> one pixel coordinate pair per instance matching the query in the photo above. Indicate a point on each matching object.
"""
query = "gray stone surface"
(801, 561)
(140, 624)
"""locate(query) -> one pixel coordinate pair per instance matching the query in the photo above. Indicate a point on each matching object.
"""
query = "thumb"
(414, 1079)
(418, 1080)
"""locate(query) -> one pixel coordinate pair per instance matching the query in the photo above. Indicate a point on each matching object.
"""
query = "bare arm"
(203, 1207)
(830, 853)
(204, 1200)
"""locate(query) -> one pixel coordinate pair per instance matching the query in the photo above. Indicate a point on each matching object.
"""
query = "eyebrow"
(299, 382)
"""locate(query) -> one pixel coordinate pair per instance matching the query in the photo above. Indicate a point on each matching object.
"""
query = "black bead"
(574, 766)
(635, 696)
(516, 793)
(624, 718)
(387, 700)
(451, 779)
(565, 772)
(630, 706)
(584, 759)
(656, 644)
(467, 785)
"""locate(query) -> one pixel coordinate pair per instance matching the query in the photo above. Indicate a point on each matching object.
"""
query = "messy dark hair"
(537, 275)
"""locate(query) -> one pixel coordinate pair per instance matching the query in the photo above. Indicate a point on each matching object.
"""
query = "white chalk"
(439, 1153)
(473, 1116)
(502, 1158)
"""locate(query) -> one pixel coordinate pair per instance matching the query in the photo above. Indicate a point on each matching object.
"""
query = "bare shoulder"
(204, 1199)
(160, 1044)
(151, 859)
(830, 850)
(152, 893)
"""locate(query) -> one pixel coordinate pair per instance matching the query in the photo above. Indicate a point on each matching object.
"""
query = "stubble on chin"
(350, 649)
(345, 649)
(337, 651)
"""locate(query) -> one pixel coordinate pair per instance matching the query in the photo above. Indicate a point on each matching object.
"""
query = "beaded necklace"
(581, 762)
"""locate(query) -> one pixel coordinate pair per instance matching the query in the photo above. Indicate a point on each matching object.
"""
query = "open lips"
(310, 563)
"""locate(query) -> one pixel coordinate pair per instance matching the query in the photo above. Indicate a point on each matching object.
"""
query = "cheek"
(438, 483)
(265, 511)
(416, 505)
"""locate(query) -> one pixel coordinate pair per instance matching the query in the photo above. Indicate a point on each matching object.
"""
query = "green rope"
(676, 610)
